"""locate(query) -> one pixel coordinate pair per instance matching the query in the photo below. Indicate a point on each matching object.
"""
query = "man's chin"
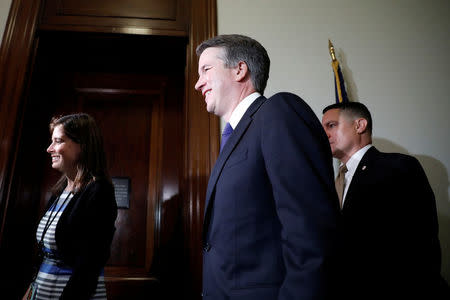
(210, 109)
(337, 153)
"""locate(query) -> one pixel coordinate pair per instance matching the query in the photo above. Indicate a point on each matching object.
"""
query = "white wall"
(4, 11)
(395, 59)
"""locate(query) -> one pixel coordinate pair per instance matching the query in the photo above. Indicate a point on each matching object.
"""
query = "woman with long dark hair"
(75, 234)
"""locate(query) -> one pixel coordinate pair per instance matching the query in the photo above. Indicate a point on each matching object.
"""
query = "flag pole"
(340, 92)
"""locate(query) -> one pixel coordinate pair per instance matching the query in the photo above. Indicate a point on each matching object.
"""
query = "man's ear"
(241, 71)
(360, 125)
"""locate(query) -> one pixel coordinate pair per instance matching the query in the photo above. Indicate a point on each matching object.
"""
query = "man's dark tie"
(227, 131)
(339, 183)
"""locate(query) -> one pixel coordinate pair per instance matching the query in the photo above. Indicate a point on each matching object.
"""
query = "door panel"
(126, 123)
(167, 17)
(129, 111)
(155, 9)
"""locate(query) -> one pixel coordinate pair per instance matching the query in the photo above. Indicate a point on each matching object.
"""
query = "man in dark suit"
(390, 233)
(271, 210)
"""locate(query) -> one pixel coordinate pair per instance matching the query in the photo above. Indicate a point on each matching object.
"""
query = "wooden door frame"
(201, 133)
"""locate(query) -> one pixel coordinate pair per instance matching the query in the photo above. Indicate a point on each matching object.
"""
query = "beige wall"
(395, 59)
(4, 11)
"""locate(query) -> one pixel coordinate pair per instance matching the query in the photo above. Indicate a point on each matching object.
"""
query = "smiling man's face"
(215, 82)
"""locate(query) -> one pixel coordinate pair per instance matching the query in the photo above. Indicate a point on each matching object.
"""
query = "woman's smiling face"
(64, 152)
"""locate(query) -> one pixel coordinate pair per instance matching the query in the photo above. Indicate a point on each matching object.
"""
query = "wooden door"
(28, 92)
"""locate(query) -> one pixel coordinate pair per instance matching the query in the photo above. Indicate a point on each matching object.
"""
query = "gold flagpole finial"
(331, 48)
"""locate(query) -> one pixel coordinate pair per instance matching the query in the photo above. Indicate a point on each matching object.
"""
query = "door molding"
(202, 139)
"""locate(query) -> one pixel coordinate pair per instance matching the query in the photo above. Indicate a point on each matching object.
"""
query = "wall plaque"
(122, 190)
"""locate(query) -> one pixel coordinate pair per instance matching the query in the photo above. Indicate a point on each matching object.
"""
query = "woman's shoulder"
(98, 193)
(99, 185)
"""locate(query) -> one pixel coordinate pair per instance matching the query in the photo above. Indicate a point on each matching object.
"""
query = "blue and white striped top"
(54, 274)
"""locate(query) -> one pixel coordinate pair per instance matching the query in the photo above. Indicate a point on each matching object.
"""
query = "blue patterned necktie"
(227, 131)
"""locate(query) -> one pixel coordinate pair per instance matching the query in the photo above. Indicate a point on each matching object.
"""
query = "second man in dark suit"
(390, 233)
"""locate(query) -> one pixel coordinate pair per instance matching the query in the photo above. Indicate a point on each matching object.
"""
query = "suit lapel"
(234, 139)
(363, 171)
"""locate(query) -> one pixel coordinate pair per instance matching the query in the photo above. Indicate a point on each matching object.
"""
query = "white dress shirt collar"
(353, 162)
(242, 107)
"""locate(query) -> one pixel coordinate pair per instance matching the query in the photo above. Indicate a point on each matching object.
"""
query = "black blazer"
(391, 246)
(83, 236)
(271, 208)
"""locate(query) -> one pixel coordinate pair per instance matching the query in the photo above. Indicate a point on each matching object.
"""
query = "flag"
(339, 84)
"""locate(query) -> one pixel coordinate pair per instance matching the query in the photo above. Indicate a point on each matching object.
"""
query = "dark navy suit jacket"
(271, 215)
(391, 245)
